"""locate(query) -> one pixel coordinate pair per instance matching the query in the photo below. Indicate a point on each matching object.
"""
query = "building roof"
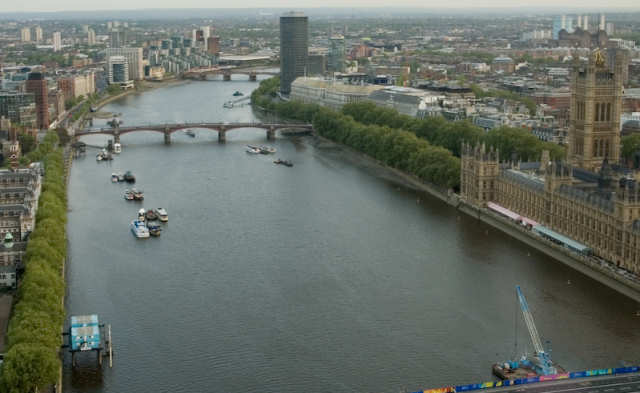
(85, 333)
(553, 234)
(528, 180)
(335, 86)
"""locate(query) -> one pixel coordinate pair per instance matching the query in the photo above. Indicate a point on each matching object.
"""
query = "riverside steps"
(221, 128)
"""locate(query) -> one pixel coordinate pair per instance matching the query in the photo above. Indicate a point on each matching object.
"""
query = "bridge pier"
(116, 137)
(226, 76)
(222, 136)
(167, 136)
(271, 133)
(253, 77)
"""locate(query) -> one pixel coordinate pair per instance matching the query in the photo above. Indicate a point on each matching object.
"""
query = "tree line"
(392, 146)
(34, 336)
(427, 148)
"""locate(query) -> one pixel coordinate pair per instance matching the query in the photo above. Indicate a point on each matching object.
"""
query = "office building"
(206, 33)
(329, 93)
(603, 25)
(609, 29)
(91, 37)
(57, 41)
(18, 107)
(37, 85)
(336, 54)
(585, 23)
(213, 45)
(134, 60)
(25, 34)
(294, 48)
(117, 38)
(38, 31)
(118, 72)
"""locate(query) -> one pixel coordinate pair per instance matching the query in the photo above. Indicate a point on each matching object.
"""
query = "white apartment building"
(25, 34)
(57, 41)
(134, 60)
(329, 93)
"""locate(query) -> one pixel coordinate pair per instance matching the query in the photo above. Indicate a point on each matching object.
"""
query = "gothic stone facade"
(608, 223)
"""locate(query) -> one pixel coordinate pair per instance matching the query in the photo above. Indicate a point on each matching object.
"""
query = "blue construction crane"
(541, 361)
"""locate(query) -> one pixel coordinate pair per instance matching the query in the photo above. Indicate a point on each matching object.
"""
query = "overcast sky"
(84, 5)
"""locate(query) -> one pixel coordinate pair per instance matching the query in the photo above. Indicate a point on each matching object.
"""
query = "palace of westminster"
(589, 198)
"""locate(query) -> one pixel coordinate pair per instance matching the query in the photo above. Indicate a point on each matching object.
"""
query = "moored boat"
(129, 178)
(253, 150)
(114, 178)
(139, 230)
(128, 195)
(141, 215)
(283, 162)
(238, 93)
(151, 215)
(138, 195)
(154, 228)
(267, 149)
(117, 148)
(162, 214)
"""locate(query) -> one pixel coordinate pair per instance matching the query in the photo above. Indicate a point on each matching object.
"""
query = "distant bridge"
(201, 73)
(169, 128)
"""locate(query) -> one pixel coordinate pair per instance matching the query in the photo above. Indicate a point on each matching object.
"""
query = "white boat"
(141, 215)
(162, 214)
(117, 148)
(253, 150)
(99, 157)
(139, 230)
(114, 178)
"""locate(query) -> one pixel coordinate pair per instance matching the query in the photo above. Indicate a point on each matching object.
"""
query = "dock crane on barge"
(540, 363)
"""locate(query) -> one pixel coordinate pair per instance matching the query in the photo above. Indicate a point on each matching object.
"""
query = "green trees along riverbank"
(394, 147)
(427, 148)
(34, 337)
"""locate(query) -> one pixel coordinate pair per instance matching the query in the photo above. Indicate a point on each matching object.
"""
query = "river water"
(326, 277)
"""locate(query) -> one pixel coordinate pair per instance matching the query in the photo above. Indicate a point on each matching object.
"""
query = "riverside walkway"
(169, 128)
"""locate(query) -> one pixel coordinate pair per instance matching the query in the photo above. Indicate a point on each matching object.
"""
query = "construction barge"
(86, 334)
(539, 364)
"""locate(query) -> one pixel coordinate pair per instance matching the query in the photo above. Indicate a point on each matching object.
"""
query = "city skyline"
(520, 6)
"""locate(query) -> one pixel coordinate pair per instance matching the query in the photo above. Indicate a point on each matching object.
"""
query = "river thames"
(326, 277)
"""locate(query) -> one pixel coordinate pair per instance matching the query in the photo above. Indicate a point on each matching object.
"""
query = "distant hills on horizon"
(201, 13)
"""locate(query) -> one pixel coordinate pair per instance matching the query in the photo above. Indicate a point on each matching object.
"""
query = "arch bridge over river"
(221, 128)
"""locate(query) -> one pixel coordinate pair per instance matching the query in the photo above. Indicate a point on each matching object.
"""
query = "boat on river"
(154, 228)
(138, 195)
(117, 148)
(267, 150)
(228, 105)
(191, 133)
(162, 214)
(139, 230)
(253, 150)
(151, 215)
(129, 178)
(116, 177)
(283, 162)
(238, 93)
(128, 195)
(141, 214)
